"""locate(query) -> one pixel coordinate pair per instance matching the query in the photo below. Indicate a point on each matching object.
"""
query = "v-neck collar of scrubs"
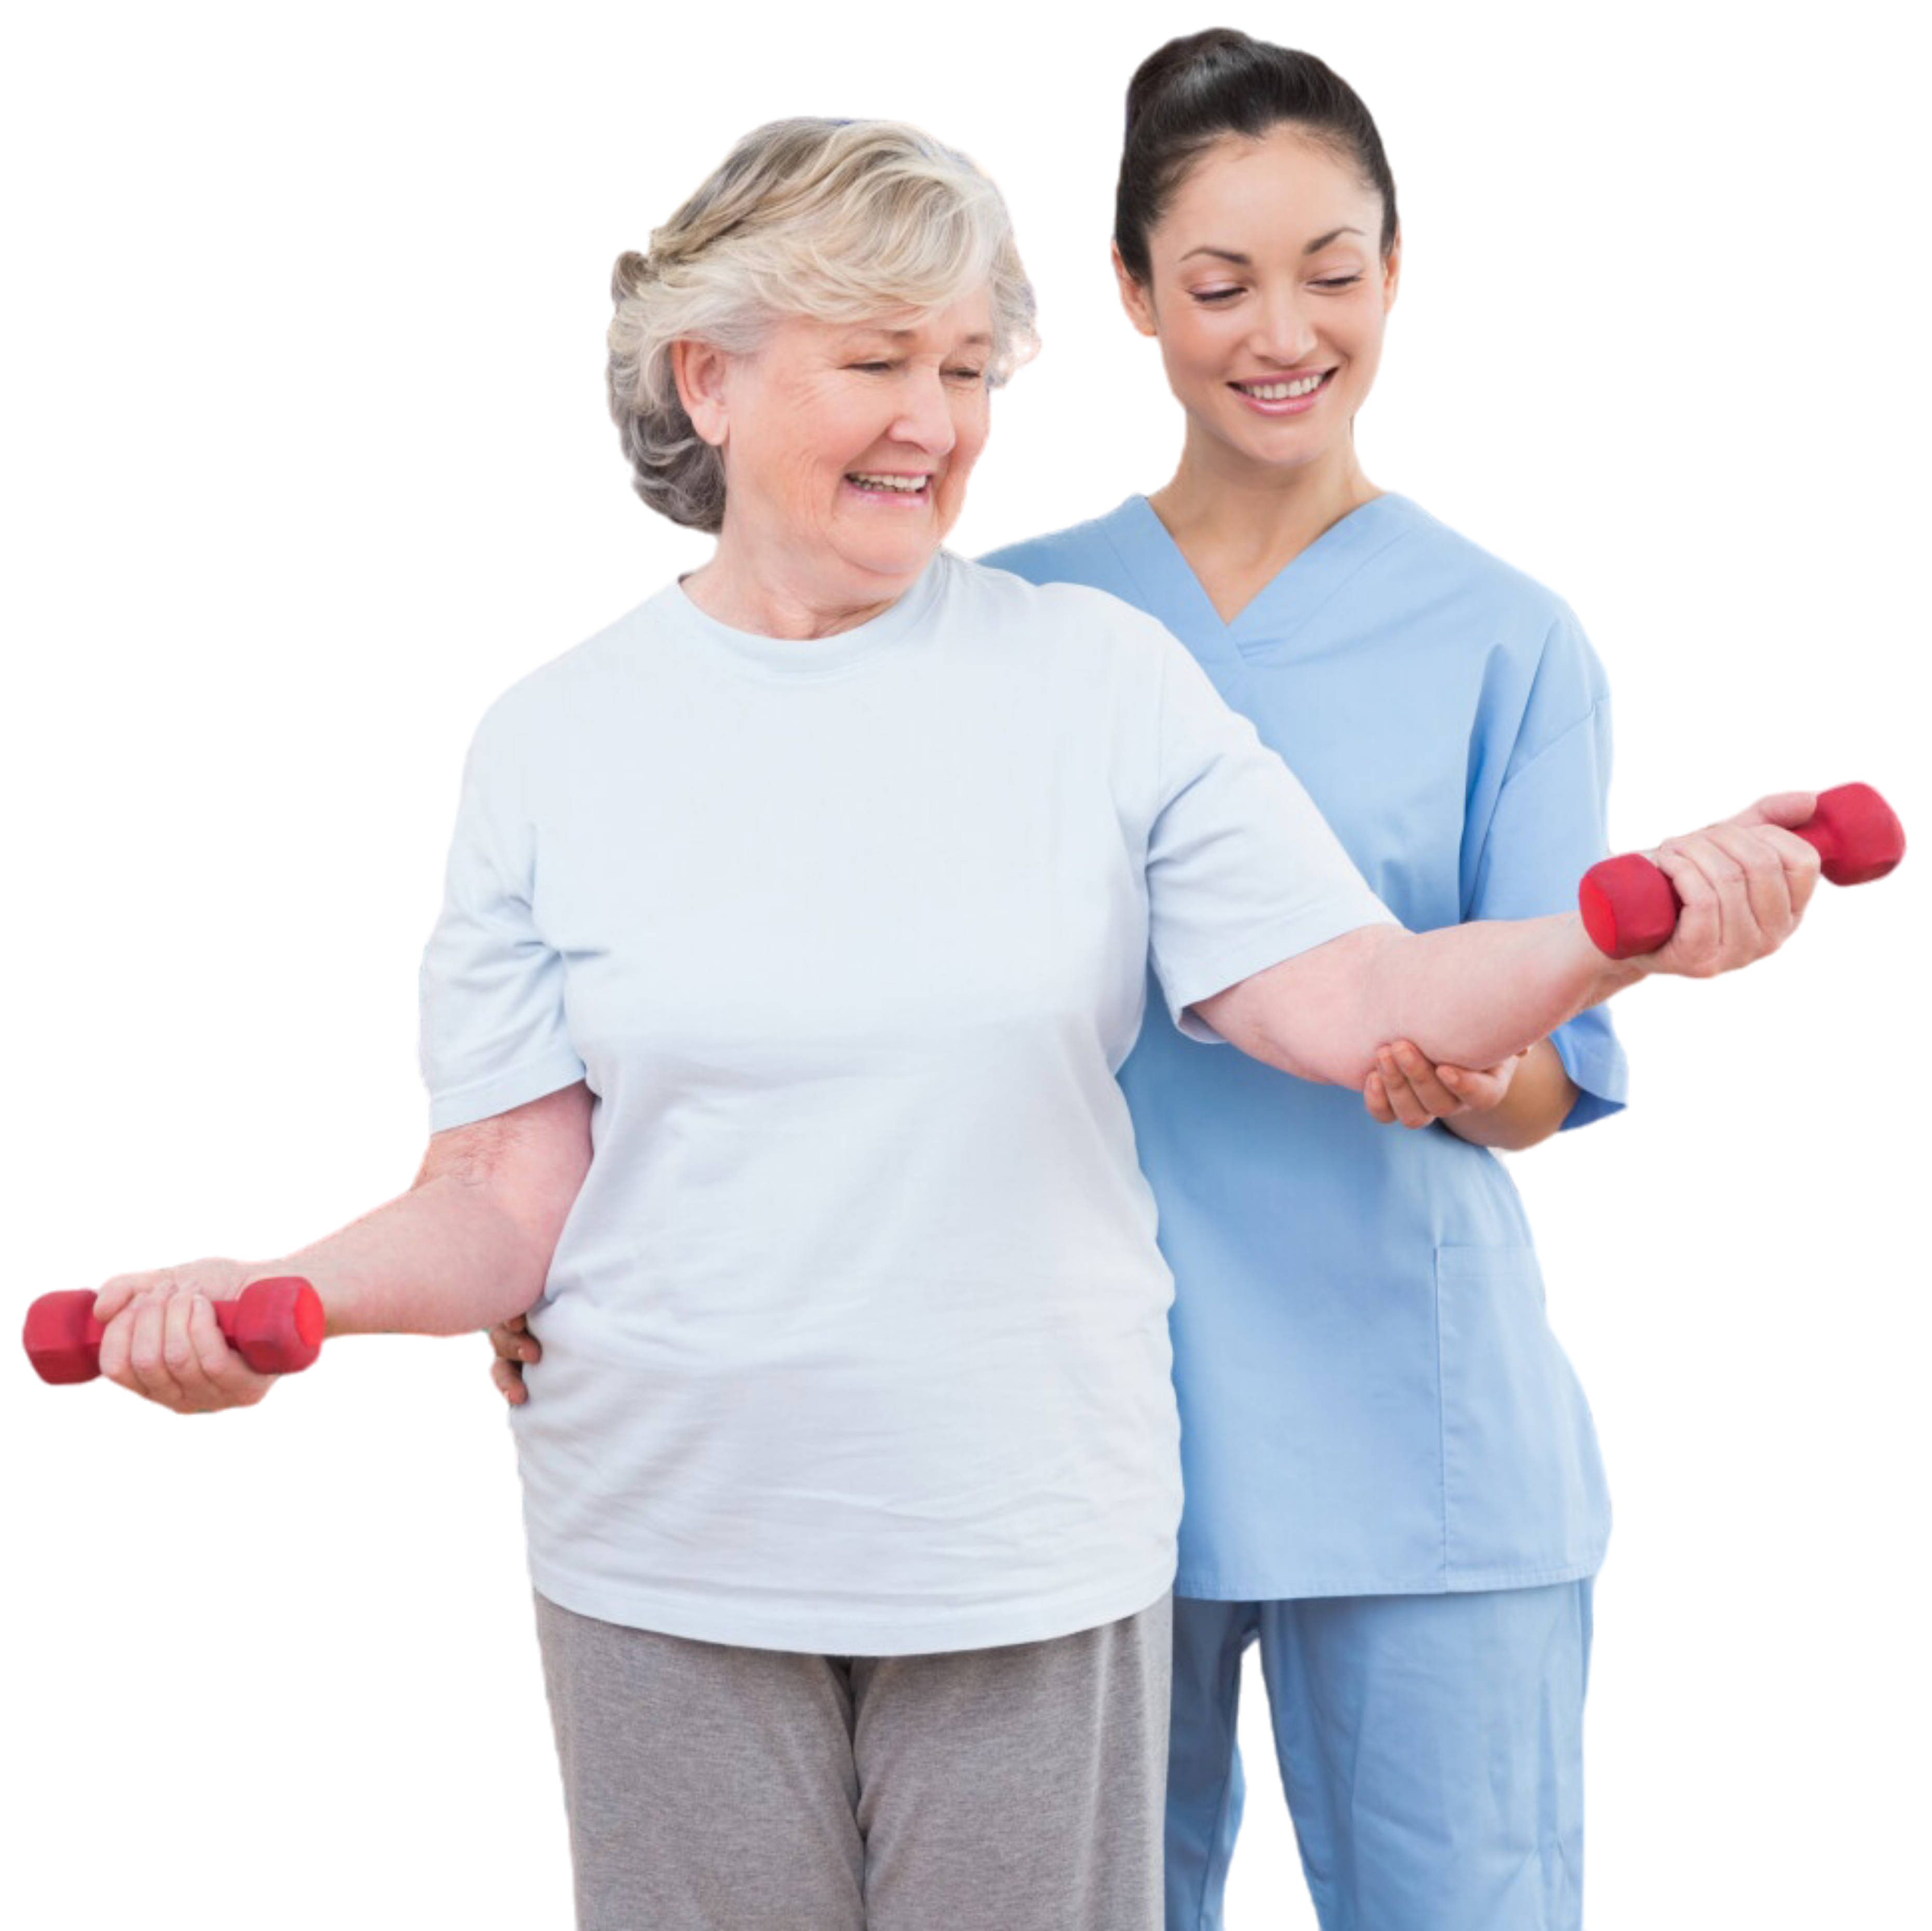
(1170, 590)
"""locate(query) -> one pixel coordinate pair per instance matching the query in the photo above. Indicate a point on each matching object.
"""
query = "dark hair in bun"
(1196, 90)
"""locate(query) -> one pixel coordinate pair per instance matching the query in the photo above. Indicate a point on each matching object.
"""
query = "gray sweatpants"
(716, 1789)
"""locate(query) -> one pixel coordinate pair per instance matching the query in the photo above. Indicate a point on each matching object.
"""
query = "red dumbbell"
(276, 1327)
(1629, 906)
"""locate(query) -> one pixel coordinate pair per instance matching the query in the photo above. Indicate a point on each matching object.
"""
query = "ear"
(1134, 298)
(1391, 272)
(701, 369)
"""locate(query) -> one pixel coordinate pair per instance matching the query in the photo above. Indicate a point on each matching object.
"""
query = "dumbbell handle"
(275, 1326)
(1629, 906)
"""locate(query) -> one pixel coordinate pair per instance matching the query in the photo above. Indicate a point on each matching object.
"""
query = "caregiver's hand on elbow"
(1406, 1090)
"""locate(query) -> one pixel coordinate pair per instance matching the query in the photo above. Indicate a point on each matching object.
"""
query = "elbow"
(1316, 1041)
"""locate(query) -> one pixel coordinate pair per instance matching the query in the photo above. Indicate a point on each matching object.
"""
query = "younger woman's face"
(1269, 295)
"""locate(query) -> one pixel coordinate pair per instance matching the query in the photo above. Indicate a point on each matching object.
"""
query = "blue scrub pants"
(1431, 1747)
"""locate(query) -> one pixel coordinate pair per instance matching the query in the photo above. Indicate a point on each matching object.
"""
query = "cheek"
(971, 427)
(1374, 339)
(1191, 348)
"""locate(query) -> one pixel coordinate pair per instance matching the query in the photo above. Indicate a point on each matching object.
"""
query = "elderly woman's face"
(846, 447)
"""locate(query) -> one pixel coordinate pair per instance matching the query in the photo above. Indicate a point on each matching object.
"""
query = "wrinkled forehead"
(944, 328)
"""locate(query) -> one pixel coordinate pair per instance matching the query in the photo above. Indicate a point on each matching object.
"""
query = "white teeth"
(909, 485)
(1302, 386)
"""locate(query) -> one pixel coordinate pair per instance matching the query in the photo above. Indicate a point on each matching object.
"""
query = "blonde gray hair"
(838, 221)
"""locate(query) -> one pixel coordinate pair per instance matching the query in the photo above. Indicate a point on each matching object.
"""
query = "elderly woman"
(795, 928)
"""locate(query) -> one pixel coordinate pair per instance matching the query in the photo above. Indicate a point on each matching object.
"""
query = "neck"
(762, 596)
(1232, 516)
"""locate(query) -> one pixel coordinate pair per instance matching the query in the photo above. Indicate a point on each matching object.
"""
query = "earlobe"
(1134, 298)
(699, 369)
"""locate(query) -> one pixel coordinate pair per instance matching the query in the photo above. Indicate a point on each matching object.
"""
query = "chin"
(902, 561)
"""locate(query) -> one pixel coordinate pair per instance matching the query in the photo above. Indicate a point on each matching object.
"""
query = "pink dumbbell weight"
(1629, 906)
(275, 1326)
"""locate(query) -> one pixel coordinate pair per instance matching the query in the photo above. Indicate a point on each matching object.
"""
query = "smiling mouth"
(873, 483)
(1287, 390)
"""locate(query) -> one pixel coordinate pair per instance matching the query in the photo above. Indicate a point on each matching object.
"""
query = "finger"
(515, 1345)
(1401, 1102)
(113, 1356)
(1745, 891)
(509, 1380)
(113, 1295)
(147, 1365)
(1408, 1108)
(207, 1370)
(182, 1347)
(1804, 865)
(1789, 809)
(1779, 867)
(1425, 1081)
(1374, 1097)
(1477, 1092)
(1700, 873)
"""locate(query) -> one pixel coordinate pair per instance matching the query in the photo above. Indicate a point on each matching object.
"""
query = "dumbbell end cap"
(1866, 838)
(279, 1324)
(1628, 906)
(61, 1339)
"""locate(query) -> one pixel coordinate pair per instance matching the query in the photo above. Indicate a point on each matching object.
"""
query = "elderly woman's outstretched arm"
(469, 1244)
(1471, 995)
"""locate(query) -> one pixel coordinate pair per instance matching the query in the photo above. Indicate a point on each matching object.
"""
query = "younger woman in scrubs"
(1392, 1481)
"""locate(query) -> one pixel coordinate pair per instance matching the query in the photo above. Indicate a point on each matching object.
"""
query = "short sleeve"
(1243, 871)
(1547, 828)
(494, 1030)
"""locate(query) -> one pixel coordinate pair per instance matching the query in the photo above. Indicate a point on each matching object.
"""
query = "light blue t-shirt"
(856, 1340)
(1372, 1401)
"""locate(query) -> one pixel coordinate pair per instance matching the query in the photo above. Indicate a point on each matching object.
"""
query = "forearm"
(443, 1258)
(1467, 995)
(1539, 1099)
(1471, 995)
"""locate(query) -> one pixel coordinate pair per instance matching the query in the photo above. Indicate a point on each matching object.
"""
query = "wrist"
(1605, 976)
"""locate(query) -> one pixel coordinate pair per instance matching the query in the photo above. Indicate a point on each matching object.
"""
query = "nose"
(1284, 331)
(925, 417)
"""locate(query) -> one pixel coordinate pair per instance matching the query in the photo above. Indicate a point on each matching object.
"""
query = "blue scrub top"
(1372, 1401)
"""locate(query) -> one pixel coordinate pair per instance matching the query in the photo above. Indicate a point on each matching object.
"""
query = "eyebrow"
(906, 334)
(1241, 260)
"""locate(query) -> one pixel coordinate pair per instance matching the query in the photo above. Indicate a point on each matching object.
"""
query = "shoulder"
(1051, 610)
(559, 697)
(1067, 650)
(1446, 561)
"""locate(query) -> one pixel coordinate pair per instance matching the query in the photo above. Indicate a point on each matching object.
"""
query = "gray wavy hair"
(838, 220)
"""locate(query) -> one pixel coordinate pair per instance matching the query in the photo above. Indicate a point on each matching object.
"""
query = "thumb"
(1788, 809)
